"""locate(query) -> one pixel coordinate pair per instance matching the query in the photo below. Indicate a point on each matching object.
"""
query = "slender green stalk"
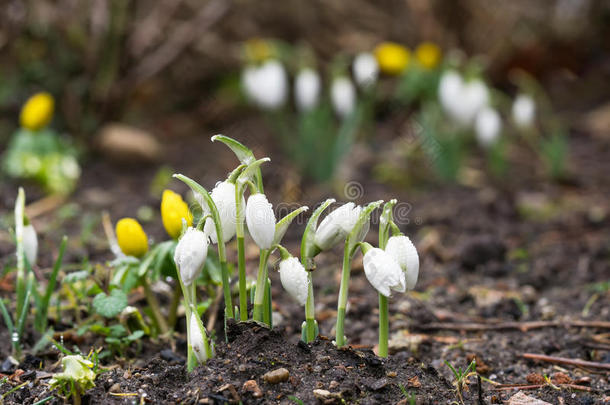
(261, 279)
(173, 306)
(267, 307)
(154, 306)
(42, 312)
(241, 254)
(310, 315)
(383, 326)
(342, 303)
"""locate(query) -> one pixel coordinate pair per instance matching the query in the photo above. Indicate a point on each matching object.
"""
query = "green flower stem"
(342, 303)
(383, 326)
(310, 315)
(154, 307)
(241, 254)
(261, 279)
(173, 306)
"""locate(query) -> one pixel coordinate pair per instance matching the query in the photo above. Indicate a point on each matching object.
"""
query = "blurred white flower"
(337, 225)
(261, 220)
(365, 69)
(462, 100)
(488, 126)
(343, 96)
(403, 251)
(383, 272)
(266, 85)
(197, 340)
(294, 279)
(190, 254)
(30, 244)
(224, 199)
(524, 111)
(307, 89)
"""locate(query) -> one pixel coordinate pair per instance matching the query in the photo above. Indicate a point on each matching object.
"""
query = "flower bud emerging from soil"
(365, 69)
(197, 339)
(404, 253)
(524, 111)
(266, 85)
(77, 372)
(383, 272)
(190, 255)
(261, 220)
(393, 58)
(488, 126)
(294, 279)
(307, 89)
(173, 211)
(30, 244)
(37, 112)
(337, 225)
(131, 237)
(224, 199)
(343, 96)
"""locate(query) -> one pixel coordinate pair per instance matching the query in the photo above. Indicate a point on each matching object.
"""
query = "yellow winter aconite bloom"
(131, 237)
(428, 55)
(37, 111)
(392, 58)
(258, 50)
(173, 210)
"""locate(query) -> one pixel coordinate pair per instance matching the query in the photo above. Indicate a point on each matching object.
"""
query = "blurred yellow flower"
(258, 50)
(37, 111)
(392, 58)
(173, 210)
(131, 237)
(428, 55)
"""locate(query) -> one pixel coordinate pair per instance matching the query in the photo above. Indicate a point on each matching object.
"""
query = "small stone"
(252, 386)
(116, 387)
(521, 399)
(561, 378)
(127, 375)
(326, 396)
(534, 378)
(128, 144)
(379, 384)
(391, 374)
(333, 384)
(241, 368)
(276, 376)
(413, 382)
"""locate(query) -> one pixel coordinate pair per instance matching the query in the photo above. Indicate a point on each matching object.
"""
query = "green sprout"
(461, 377)
(78, 376)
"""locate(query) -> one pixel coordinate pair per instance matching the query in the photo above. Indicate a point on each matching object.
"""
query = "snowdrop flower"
(261, 220)
(449, 90)
(462, 101)
(524, 111)
(383, 272)
(266, 85)
(343, 96)
(365, 69)
(307, 89)
(191, 252)
(294, 279)
(337, 225)
(402, 250)
(224, 198)
(30, 243)
(197, 341)
(487, 127)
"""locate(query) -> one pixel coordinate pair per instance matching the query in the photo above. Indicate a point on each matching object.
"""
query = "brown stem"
(564, 360)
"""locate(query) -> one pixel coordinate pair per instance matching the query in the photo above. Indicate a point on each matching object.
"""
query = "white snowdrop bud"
(383, 272)
(487, 127)
(404, 253)
(266, 85)
(197, 340)
(337, 225)
(191, 252)
(223, 196)
(475, 96)
(30, 244)
(365, 69)
(294, 279)
(261, 220)
(524, 111)
(343, 96)
(449, 91)
(307, 89)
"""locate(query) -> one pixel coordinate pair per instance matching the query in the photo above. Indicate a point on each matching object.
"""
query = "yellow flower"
(173, 210)
(392, 58)
(258, 50)
(37, 111)
(428, 55)
(131, 237)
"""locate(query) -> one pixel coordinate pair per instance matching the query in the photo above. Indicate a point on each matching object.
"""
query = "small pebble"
(276, 376)
(252, 386)
(333, 384)
(391, 374)
(116, 387)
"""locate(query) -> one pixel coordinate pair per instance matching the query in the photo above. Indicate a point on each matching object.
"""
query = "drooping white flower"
(266, 85)
(294, 279)
(404, 253)
(462, 100)
(449, 90)
(337, 225)
(365, 69)
(30, 244)
(343, 96)
(197, 340)
(307, 89)
(224, 198)
(524, 111)
(191, 252)
(383, 272)
(261, 220)
(488, 126)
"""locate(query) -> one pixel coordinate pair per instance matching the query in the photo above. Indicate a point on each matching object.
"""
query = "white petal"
(307, 89)
(224, 198)
(404, 252)
(30, 244)
(197, 342)
(191, 252)
(337, 225)
(524, 110)
(383, 272)
(294, 279)
(266, 85)
(261, 220)
(365, 69)
(343, 96)
(488, 126)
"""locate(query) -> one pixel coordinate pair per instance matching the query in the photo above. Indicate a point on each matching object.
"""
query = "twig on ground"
(564, 360)
(522, 326)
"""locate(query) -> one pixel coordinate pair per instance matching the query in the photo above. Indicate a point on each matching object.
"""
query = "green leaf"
(358, 233)
(135, 336)
(308, 246)
(282, 226)
(75, 276)
(111, 305)
(245, 155)
(384, 222)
